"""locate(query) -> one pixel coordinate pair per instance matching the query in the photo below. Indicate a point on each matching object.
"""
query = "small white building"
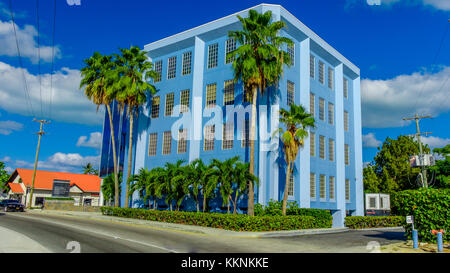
(83, 188)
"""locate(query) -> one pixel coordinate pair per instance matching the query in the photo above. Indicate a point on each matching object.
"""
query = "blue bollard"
(440, 245)
(415, 236)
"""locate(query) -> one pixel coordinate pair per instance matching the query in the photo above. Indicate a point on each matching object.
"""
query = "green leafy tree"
(133, 70)
(4, 176)
(441, 171)
(297, 122)
(97, 79)
(108, 188)
(258, 63)
(371, 180)
(392, 166)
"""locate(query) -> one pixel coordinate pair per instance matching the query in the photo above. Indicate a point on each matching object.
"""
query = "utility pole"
(424, 171)
(40, 133)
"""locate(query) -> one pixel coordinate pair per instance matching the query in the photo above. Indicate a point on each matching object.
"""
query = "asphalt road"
(54, 232)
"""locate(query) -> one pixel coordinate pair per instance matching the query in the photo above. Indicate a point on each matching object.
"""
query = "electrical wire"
(39, 54)
(433, 63)
(27, 93)
(53, 60)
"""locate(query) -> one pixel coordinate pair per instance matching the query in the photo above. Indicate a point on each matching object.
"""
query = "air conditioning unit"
(377, 204)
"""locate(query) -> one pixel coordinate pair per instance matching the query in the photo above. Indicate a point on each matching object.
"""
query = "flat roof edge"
(288, 16)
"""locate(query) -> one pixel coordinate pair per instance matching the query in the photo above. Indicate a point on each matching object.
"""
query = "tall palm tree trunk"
(235, 201)
(251, 193)
(204, 202)
(116, 175)
(130, 153)
(285, 196)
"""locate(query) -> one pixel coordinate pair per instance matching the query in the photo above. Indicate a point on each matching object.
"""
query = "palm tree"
(223, 176)
(242, 178)
(141, 181)
(133, 71)
(190, 178)
(96, 80)
(108, 187)
(206, 180)
(89, 169)
(258, 63)
(167, 185)
(297, 121)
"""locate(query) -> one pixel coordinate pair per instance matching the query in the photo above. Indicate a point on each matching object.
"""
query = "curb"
(198, 230)
(380, 228)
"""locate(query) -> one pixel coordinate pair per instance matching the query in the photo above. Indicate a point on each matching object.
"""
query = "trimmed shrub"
(430, 208)
(273, 208)
(359, 222)
(59, 198)
(238, 222)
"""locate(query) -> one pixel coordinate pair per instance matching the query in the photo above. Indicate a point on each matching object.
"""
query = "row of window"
(186, 65)
(322, 187)
(208, 144)
(167, 142)
(170, 100)
(331, 149)
(312, 65)
(211, 99)
(312, 106)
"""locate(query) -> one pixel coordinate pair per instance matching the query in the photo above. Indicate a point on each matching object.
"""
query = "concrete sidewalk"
(13, 242)
(187, 228)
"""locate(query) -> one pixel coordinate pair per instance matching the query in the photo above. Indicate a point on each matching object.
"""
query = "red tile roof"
(15, 187)
(44, 179)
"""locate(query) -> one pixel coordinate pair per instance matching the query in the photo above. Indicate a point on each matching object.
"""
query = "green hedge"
(358, 222)
(239, 222)
(59, 198)
(430, 208)
(273, 208)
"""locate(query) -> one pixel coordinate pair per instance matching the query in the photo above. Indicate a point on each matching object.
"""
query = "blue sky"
(395, 44)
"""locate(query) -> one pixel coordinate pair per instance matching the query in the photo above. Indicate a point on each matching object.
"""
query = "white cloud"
(435, 142)
(95, 141)
(386, 102)
(5, 159)
(9, 126)
(370, 141)
(69, 104)
(60, 162)
(437, 4)
(26, 37)
(9, 170)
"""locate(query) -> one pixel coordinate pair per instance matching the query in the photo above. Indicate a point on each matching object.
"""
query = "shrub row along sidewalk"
(238, 222)
(359, 222)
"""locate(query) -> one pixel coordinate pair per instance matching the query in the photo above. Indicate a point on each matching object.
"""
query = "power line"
(53, 60)
(433, 63)
(27, 93)
(39, 53)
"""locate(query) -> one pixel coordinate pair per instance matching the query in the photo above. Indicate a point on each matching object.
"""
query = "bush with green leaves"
(430, 208)
(359, 222)
(60, 198)
(274, 208)
(236, 222)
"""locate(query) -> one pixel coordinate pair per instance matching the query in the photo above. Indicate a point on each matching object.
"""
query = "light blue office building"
(199, 113)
